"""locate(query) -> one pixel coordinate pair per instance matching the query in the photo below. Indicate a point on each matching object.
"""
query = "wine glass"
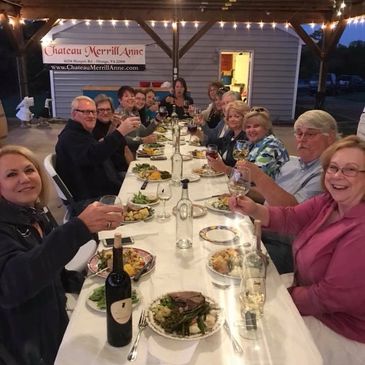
(212, 152)
(239, 182)
(192, 128)
(164, 193)
(135, 113)
(186, 108)
(241, 150)
(252, 296)
(110, 200)
(162, 111)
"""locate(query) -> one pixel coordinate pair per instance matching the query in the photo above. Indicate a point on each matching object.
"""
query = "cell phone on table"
(157, 158)
(109, 242)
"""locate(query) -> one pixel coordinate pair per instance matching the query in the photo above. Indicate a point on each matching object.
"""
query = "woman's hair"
(123, 89)
(215, 84)
(139, 91)
(101, 98)
(149, 90)
(263, 117)
(347, 142)
(239, 107)
(183, 82)
(25, 152)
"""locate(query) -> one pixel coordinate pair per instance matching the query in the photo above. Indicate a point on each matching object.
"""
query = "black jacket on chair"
(33, 316)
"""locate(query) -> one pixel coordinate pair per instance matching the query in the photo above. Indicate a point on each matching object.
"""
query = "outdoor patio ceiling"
(279, 11)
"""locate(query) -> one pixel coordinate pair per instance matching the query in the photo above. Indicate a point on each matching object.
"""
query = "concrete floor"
(42, 142)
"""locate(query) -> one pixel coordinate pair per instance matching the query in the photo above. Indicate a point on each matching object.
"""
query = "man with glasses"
(83, 163)
(299, 178)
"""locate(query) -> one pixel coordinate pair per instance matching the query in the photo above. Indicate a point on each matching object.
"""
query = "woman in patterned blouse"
(266, 151)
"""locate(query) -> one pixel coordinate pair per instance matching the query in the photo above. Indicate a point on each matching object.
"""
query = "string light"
(332, 26)
(87, 22)
(312, 25)
(183, 23)
(73, 21)
(165, 23)
(174, 25)
(234, 25)
(343, 5)
(114, 22)
(261, 24)
(61, 21)
(273, 25)
(196, 24)
(221, 23)
(100, 22)
(153, 23)
(287, 25)
(248, 25)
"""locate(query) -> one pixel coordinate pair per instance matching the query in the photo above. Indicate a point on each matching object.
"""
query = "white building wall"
(275, 60)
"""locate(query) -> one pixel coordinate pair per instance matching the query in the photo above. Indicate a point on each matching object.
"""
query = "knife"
(208, 197)
(145, 268)
(144, 185)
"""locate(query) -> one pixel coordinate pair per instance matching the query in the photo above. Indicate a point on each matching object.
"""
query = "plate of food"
(198, 211)
(141, 167)
(200, 154)
(162, 138)
(161, 129)
(134, 259)
(141, 200)
(227, 262)
(218, 204)
(96, 298)
(153, 145)
(154, 175)
(185, 316)
(149, 151)
(219, 234)
(134, 215)
(205, 171)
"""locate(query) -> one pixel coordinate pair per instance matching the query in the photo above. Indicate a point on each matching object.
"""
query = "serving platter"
(143, 258)
(156, 327)
(220, 234)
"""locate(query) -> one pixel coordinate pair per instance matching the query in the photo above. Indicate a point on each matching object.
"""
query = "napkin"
(171, 352)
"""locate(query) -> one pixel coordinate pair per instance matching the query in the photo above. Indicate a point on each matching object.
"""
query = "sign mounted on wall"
(94, 57)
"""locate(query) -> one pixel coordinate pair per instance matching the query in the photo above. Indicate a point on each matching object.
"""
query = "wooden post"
(175, 50)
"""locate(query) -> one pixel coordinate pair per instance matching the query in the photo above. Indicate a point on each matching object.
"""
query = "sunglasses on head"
(223, 89)
(259, 109)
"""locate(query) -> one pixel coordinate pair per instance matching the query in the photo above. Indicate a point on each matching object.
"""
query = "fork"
(142, 324)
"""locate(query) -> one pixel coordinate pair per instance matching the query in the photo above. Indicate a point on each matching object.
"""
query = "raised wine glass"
(164, 193)
(241, 150)
(162, 111)
(186, 106)
(239, 182)
(135, 113)
(212, 152)
(192, 128)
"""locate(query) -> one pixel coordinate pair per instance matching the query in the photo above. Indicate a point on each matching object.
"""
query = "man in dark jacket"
(83, 163)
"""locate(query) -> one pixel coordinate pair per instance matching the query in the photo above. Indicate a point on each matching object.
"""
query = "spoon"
(220, 285)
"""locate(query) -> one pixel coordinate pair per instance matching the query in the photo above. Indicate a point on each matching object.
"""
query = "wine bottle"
(184, 218)
(118, 294)
(175, 127)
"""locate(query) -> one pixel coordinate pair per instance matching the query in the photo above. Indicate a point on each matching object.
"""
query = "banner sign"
(91, 57)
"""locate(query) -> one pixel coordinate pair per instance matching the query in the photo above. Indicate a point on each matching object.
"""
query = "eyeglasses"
(308, 135)
(86, 112)
(347, 171)
(104, 110)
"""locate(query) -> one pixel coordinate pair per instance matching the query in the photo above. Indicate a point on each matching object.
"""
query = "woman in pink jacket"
(328, 251)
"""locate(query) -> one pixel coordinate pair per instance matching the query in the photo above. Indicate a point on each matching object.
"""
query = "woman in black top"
(178, 99)
(33, 253)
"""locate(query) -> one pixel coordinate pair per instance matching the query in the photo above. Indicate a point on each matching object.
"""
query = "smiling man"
(299, 178)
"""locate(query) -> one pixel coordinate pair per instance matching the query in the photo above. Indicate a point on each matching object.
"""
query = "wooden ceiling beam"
(168, 14)
(195, 37)
(42, 31)
(155, 37)
(10, 33)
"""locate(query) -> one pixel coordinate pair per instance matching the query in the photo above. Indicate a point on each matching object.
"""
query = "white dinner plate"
(139, 206)
(94, 305)
(220, 234)
(159, 330)
(231, 258)
(210, 205)
(192, 177)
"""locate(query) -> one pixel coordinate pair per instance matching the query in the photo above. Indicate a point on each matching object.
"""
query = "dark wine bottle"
(118, 294)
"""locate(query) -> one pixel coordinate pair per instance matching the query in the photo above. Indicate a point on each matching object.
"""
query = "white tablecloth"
(286, 339)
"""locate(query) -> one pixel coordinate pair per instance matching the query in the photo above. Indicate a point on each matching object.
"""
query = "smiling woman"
(33, 253)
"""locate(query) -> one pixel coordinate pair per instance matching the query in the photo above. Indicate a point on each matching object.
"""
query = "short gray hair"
(75, 101)
(232, 94)
(317, 119)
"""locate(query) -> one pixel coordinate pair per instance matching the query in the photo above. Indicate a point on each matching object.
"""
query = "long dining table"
(284, 337)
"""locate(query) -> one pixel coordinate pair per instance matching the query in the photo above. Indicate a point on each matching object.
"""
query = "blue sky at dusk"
(353, 32)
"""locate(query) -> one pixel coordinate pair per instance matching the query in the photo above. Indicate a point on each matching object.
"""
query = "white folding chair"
(62, 191)
(80, 260)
